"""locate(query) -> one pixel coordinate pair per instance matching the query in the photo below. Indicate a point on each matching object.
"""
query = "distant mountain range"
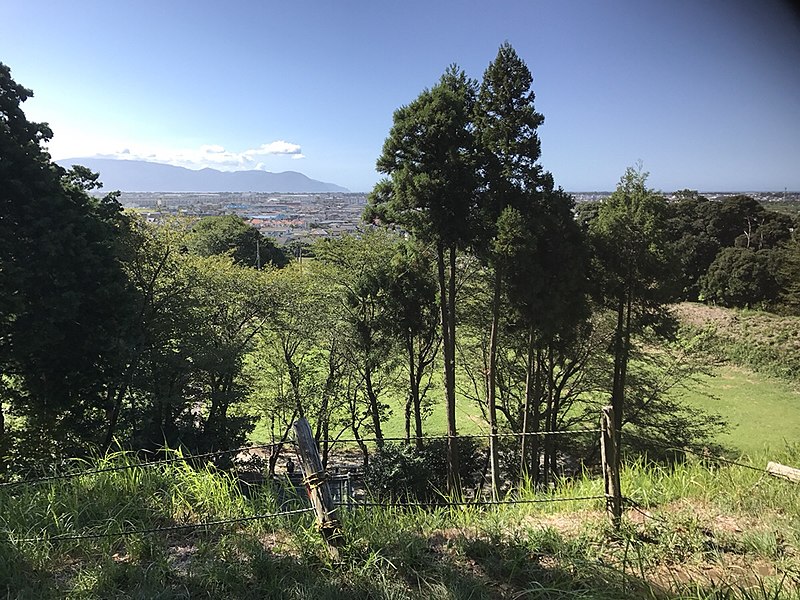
(142, 176)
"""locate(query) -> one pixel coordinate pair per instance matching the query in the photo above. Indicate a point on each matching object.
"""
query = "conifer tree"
(430, 191)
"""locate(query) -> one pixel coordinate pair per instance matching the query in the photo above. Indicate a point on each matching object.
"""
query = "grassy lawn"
(764, 412)
(468, 418)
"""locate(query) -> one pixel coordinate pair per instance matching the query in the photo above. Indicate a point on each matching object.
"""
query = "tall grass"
(691, 520)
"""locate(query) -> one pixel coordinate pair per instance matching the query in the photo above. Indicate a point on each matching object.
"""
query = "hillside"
(142, 176)
(762, 341)
(696, 530)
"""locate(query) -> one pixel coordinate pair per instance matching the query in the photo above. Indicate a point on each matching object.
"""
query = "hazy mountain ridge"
(143, 176)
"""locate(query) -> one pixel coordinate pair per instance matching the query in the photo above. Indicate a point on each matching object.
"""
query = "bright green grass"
(764, 412)
(468, 418)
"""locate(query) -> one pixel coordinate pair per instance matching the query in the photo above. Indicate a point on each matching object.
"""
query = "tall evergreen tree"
(632, 268)
(511, 179)
(430, 191)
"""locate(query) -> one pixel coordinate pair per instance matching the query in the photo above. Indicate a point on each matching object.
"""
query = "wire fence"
(185, 458)
(442, 503)
(133, 465)
(475, 436)
(164, 529)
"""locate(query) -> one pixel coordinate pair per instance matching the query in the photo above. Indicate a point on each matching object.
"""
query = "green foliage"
(788, 275)
(741, 277)
(629, 238)
(508, 145)
(295, 352)
(231, 234)
(429, 157)
(194, 320)
(63, 295)
(405, 472)
(701, 229)
(764, 342)
(631, 269)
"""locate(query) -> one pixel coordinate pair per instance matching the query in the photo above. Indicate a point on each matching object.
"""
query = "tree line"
(475, 279)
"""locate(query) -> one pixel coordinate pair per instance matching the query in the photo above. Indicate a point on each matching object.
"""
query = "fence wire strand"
(474, 436)
(136, 465)
(476, 503)
(185, 526)
(705, 455)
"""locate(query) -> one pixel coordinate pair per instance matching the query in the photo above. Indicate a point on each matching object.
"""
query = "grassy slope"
(758, 391)
(697, 532)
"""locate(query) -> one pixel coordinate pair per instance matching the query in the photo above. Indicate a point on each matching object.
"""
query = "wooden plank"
(779, 470)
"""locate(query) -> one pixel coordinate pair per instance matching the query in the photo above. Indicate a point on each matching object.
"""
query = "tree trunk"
(553, 414)
(362, 446)
(277, 449)
(113, 416)
(374, 409)
(418, 409)
(294, 380)
(527, 418)
(410, 400)
(492, 387)
(626, 348)
(447, 307)
(619, 342)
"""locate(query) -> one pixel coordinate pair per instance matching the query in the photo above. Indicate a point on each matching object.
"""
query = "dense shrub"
(400, 471)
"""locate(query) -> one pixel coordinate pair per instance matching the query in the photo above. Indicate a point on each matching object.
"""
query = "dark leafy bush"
(400, 471)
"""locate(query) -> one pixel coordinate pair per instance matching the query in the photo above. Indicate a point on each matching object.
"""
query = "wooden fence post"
(316, 482)
(609, 451)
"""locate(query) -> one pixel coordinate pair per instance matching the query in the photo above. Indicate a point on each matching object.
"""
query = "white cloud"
(276, 147)
(206, 155)
(76, 142)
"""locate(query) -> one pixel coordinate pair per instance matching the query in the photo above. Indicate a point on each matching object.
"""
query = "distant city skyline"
(705, 94)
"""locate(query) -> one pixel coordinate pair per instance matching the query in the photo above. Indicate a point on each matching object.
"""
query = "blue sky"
(705, 92)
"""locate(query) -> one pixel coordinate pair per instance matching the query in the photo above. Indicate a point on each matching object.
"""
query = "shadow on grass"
(244, 566)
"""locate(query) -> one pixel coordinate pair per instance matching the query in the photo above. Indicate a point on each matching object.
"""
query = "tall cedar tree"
(545, 261)
(429, 158)
(511, 178)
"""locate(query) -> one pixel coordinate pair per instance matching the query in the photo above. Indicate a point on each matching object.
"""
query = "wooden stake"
(316, 482)
(609, 451)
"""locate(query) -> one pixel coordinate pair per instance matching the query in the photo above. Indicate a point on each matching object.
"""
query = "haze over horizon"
(704, 94)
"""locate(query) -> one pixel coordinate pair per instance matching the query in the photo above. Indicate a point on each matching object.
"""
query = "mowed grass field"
(763, 412)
